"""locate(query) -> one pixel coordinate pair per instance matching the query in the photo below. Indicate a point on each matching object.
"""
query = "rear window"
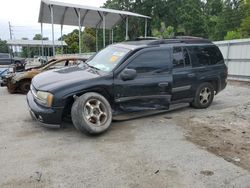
(205, 55)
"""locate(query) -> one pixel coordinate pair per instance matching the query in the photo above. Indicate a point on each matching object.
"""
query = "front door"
(149, 89)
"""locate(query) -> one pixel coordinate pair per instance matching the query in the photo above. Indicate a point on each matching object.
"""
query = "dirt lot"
(224, 128)
(181, 148)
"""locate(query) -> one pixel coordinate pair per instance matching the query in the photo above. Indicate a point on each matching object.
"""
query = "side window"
(186, 57)
(58, 65)
(215, 55)
(178, 60)
(205, 55)
(78, 61)
(151, 62)
(181, 58)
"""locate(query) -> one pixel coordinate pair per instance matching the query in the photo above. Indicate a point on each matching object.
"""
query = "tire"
(24, 86)
(91, 113)
(204, 96)
(11, 88)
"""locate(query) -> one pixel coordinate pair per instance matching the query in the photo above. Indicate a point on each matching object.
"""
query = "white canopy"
(68, 14)
(35, 43)
(79, 15)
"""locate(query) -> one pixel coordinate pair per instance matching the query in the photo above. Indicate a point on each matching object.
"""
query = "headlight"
(45, 98)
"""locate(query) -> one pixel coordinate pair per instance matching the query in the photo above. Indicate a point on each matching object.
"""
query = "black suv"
(129, 77)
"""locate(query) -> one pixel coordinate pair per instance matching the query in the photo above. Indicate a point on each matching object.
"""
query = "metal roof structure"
(68, 14)
(54, 12)
(35, 43)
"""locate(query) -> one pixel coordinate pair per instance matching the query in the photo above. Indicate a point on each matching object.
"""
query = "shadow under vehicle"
(19, 82)
(135, 76)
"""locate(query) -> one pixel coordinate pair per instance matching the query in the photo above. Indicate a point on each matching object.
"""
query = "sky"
(23, 18)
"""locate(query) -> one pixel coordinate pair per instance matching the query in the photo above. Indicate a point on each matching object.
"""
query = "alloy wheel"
(95, 112)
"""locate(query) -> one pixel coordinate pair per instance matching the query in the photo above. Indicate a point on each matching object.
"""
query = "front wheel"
(91, 113)
(204, 96)
(25, 86)
(11, 87)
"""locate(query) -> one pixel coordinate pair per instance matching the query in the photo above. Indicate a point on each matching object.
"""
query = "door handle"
(163, 84)
(191, 75)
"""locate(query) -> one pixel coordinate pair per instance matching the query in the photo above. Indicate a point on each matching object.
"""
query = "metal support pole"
(53, 37)
(48, 52)
(28, 51)
(11, 47)
(112, 36)
(79, 23)
(109, 36)
(61, 40)
(103, 30)
(146, 27)
(96, 39)
(126, 28)
(39, 51)
(42, 39)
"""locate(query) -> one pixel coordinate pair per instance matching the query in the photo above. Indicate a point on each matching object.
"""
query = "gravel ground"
(182, 148)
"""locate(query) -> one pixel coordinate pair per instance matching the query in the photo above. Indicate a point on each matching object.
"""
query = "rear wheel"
(204, 96)
(11, 88)
(25, 86)
(91, 113)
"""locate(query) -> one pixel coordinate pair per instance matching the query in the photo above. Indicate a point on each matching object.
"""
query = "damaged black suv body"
(129, 77)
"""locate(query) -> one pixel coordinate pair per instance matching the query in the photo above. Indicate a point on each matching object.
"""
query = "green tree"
(229, 19)
(163, 32)
(190, 18)
(245, 22)
(233, 35)
(211, 11)
(72, 41)
(3, 46)
(88, 40)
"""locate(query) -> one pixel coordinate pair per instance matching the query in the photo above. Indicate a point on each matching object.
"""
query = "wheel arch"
(69, 100)
(215, 81)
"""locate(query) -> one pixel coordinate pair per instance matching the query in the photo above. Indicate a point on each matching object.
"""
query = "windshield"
(107, 59)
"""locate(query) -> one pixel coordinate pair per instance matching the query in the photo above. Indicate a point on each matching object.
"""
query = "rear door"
(183, 75)
(151, 88)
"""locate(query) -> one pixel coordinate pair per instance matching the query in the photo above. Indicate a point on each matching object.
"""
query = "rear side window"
(151, 62)
(205, 55)
(181, 57)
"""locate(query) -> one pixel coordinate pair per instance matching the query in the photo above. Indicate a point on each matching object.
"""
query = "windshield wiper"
(93, 68)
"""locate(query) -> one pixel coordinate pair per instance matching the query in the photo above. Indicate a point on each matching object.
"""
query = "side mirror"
(128, 74)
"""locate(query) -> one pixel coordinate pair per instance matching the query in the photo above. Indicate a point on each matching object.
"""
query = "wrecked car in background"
(129, 77)
(19, 82)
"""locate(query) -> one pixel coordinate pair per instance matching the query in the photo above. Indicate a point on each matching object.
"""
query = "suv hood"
(58, 78)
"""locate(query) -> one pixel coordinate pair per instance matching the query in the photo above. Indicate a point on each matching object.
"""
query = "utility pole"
(11, 39)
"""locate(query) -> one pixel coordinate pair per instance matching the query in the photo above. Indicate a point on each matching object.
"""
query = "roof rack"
(146, 38)
(175, 39)
(186, 40)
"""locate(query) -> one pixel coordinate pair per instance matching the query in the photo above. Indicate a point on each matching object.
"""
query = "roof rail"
(186, 37)
(147, 38)
(186, 40)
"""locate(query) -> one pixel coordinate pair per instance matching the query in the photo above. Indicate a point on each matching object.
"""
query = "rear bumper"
(222, 86)
(47, 117)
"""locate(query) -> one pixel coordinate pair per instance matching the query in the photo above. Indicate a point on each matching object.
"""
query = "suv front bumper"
(47, 117)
